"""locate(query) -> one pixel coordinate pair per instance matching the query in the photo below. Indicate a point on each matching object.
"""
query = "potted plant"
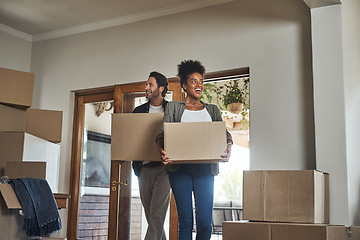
(231, 97)
(234, 96)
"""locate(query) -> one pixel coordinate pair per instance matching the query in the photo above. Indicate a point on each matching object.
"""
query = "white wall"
(15, 53)
(330, 106)
(271, 37)
(336, 58)
(351, 45)
(100, 124)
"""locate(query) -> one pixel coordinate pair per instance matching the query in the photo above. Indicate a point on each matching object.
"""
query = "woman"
(187, 178)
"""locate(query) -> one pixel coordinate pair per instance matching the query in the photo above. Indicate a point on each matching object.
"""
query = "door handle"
(115, 184)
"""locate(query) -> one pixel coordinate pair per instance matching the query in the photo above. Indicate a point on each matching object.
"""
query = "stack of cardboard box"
(28, 144)
(286, 205)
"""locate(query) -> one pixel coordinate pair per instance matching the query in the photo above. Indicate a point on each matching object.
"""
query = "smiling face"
(152, 90)
(194, 86)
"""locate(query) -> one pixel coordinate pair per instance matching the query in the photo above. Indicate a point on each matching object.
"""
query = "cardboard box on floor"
(355, 232)
(24, 147)
(287, 231)
(16, 88)
(133, 136)
(45, 124)
(194, 142)
(10, 219)
(12, 222)
(298, 196)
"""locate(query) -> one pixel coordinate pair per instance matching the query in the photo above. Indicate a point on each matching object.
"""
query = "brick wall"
(135, 226)
(93, 217)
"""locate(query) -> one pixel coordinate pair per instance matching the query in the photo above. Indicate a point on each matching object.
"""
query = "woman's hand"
(164, 157)
(160, 145)
(226, 156)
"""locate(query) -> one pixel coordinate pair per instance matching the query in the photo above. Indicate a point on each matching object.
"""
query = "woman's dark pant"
(183, 183)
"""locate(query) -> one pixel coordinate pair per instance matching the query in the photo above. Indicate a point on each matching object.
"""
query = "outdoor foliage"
(231, 185)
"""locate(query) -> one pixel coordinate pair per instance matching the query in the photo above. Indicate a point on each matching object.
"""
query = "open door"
(120, 194)
(115, 223)
(83, 223)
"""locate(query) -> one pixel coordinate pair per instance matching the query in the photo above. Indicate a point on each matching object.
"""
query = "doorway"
(123, 98)
(87, 182)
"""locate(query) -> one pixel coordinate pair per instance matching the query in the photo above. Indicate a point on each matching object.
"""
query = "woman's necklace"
(195, 105)
(192, 104)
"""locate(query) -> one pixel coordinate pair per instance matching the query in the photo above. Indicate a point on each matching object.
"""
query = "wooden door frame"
(119, 206)
(81, 98)
(119, 210)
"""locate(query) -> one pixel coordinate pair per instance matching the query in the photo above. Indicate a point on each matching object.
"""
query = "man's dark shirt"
(144, 108)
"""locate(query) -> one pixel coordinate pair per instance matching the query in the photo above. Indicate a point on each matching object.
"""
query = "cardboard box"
(286, 196)
(284, 231)
(9, 196)
(45, 124)
(194, 142)
(12, 119)
(12, 222)
(12, 201)
(354, 232)
(14, 169)
(133, 136)
(16, 88)
(18, 146)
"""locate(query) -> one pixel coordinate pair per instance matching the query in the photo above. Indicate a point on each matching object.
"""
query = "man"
(154, 184)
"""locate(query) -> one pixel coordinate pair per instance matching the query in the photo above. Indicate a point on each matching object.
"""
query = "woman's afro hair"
(188, 67)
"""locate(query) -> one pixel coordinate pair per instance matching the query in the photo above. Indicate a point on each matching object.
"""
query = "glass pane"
(138, 220)
(95, 172)
(228, 184)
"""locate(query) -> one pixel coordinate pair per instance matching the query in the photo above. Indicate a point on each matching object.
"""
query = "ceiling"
(37, 20)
